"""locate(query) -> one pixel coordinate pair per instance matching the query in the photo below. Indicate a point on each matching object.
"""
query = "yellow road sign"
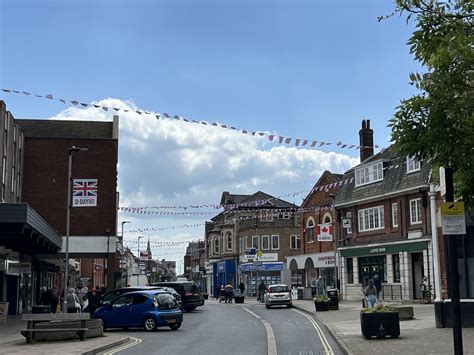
(452, 209)
(260, 252)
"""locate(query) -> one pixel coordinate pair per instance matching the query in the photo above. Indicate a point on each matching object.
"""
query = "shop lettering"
(377, 250)
(84, 201)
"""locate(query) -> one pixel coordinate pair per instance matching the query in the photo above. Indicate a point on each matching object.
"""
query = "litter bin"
(40, 309)
(333, 298)
(300, 293)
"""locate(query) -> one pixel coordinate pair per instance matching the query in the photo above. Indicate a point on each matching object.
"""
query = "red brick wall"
(45, 183)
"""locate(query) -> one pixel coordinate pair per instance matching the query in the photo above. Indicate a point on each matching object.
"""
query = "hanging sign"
(454, 221)
(84, 192)
(325, 232)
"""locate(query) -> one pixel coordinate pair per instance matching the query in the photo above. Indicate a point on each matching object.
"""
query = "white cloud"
(173, 163)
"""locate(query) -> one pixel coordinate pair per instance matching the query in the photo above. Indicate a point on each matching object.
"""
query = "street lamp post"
(139, 270)
(122, 253)
(71, 150)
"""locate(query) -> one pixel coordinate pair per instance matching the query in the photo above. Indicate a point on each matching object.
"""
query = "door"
(417, 273)
(119, 312)
(12, 294)
(138, 308)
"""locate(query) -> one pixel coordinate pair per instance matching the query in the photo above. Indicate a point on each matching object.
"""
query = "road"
(250, 328)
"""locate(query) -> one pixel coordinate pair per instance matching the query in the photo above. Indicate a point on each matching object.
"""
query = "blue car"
(141, 309)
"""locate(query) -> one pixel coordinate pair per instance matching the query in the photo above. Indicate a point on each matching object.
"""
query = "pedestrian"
(377, 284)
(45, 297)
(73, 305)
(229, 293)
(221, 293)
(370, 293)
(94, 298)
(319, 286)
(242, 288)
(261, 291)
(54, 299)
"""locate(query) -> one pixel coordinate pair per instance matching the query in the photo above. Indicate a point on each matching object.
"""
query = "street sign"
(260, 252)
(251, 251)
(346, 223)
(454, 221)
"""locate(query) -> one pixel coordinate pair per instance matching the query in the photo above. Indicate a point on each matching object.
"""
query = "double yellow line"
(132, 342)
(324, 341)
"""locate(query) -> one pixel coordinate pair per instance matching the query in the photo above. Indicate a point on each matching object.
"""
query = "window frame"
(228, 238)
(266, 215)
(349, 215)
(368, 218)
(310, 235)
(262, 238)
(277, 238)
(395, 215)
(417, 210)
(283, 215)
(369, 174)
(413, 165)
(216, 245)
(295, 242)
(256, 237)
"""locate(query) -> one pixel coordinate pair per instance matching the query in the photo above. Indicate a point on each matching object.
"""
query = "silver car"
(278, 295)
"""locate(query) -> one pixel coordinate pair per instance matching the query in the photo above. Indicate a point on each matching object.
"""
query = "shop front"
(270, 272)
(401, 267)
(224, 272)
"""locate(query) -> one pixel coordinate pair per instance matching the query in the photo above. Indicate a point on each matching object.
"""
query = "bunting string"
(311, 143)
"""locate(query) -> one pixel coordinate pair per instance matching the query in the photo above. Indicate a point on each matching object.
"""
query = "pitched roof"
(395, 179)
(326, 174)
(66, 129)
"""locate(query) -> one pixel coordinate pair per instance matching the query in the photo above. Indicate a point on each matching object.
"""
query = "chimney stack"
(366, 141)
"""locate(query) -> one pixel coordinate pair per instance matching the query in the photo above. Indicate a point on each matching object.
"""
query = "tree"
(437, 123)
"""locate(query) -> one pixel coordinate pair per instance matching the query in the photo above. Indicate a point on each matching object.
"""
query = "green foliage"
(379, 308)
(437, 124)
(321, 299)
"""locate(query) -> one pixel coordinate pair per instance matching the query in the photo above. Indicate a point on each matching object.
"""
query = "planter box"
(380, 325)
(94, 325)
(239, 299)
(321, 306)
(444, 314)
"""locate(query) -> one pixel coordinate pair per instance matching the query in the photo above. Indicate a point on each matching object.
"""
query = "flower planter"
(239, 299)
(321, 306)
(380, 324)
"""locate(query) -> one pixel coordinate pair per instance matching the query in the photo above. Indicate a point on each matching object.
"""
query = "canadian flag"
(325, 232)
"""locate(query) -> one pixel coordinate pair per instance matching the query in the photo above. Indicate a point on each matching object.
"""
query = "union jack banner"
(84, 192)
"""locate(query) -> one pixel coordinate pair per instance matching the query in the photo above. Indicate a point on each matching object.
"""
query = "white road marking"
(324, 341)
(127, 345)
(271, 341)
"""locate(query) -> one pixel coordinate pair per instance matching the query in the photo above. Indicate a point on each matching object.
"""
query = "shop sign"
(454, 221)
(264, 267)
(384, 249)
(13, 268)
(324, 260)
(25, 268)
(263, 257)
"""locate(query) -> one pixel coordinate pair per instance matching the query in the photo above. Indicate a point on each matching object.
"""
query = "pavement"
(12, 342)
(417, 336)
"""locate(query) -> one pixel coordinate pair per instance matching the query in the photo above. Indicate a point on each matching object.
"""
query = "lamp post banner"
(84, 192)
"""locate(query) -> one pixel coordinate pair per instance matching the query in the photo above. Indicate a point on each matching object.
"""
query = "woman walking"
(371, 293)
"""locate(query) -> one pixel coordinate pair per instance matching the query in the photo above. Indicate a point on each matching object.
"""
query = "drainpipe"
(434, 242)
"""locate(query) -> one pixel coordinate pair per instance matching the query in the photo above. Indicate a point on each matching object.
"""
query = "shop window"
(295, 242)
(265, 242)
(396, 267)
(350, 270)
(296, 278)
(310, 230)
(275, 242)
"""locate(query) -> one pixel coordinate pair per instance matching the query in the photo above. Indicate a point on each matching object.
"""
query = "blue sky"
(308, 69)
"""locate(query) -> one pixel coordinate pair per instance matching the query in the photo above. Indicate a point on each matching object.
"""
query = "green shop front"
(402, 267)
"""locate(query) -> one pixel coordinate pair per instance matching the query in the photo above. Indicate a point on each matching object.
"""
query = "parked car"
(278, 295)
(146, 309)
(189, 292)
(173, 292)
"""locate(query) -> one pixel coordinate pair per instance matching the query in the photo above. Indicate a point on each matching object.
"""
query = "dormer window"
(412, 165)
(369, 174)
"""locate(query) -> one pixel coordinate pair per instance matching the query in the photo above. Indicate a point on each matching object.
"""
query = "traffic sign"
(260, 252)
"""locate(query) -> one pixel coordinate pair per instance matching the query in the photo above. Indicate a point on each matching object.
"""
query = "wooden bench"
(33, 319)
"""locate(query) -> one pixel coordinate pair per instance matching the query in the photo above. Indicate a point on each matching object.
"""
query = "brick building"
(259, 222)
(318, 256)
(45, 176)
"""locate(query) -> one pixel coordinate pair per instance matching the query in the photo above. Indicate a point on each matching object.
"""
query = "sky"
(302, 69)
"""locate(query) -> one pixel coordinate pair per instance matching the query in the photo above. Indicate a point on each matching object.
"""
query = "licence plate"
(171, 321)
(196, 294)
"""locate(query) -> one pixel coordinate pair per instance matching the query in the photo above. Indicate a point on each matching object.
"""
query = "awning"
(23, 230)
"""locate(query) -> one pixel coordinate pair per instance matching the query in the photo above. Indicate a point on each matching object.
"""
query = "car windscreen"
(109, 296)
(165, 301)
(190, 287)
(278, 289)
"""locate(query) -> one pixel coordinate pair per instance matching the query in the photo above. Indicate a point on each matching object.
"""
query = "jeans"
(371, 300)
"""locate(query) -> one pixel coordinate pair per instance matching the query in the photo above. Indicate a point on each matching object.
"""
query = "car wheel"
(189, 309)
(149, 324)
(268, 307)
(289, 305)
(175, 326)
